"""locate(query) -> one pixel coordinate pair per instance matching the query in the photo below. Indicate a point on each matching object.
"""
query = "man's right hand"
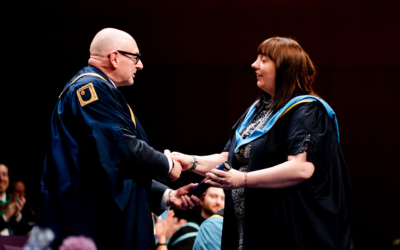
(186, 161)
(176, 171)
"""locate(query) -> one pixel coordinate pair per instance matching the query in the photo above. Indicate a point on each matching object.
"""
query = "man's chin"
(216, 210)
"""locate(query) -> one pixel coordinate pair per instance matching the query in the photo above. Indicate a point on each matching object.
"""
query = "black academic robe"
(314, 214)
(98, 170)
(184, 237)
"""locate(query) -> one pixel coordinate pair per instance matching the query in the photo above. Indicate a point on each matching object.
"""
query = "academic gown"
(314, 214)
(98, 170)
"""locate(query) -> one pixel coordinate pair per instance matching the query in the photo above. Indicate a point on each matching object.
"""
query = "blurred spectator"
(78, 243)
(39, 239)
(11, 219)
(19, 190)
(162, 227)
(173, 224)
(210, 233)
(212, 202)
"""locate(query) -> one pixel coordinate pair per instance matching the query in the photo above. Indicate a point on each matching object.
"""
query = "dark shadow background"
(197, 80)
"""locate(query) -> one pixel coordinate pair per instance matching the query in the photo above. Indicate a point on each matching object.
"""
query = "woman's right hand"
(186, 161)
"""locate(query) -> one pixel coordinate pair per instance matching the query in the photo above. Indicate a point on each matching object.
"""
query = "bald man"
(99, 171)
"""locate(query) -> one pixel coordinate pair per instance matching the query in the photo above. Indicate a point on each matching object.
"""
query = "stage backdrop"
(197, 80)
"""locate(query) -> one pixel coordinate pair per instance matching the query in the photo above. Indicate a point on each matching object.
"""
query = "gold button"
(82, 92)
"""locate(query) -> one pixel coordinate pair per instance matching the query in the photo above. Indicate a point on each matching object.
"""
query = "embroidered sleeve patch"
(87, 94)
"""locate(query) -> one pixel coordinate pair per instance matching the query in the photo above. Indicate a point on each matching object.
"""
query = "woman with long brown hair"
(289, 187)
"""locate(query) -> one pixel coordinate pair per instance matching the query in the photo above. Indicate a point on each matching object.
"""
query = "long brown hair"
(295, 71)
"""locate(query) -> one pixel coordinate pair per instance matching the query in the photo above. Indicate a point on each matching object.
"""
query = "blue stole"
(293, 102)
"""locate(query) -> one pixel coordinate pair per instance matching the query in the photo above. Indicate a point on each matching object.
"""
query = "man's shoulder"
(97, 80)
(87, 75)
(88, 85)
(212, 222)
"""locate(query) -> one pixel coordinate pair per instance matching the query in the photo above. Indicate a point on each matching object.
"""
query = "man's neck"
(105, 73)
(204, 214)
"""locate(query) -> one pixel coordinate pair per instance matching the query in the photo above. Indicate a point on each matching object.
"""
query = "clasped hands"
(232, 179)
(178, 198)
(176, 171)
(14, 208)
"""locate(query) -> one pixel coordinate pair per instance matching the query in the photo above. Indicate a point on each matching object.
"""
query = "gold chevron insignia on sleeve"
(87, 94)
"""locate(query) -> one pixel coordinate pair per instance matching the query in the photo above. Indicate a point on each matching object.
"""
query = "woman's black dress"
(314, 214)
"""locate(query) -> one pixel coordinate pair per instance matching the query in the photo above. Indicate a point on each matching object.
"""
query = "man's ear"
(114, 60)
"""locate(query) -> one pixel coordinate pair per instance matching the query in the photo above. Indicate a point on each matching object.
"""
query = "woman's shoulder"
(310, 116)
(306, 109)
(307, 112)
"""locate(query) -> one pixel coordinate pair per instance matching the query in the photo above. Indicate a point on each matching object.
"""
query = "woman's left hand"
(231, 179)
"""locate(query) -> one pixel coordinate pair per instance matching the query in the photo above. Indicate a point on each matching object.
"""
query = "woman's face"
(266, 74)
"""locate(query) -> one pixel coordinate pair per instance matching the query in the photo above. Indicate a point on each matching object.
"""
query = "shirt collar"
(3, 197)
(112, 82)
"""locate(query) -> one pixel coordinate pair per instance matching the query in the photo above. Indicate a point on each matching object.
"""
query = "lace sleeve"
(304, 146)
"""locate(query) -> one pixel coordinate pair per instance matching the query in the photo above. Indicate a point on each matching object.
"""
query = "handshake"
(179, 198)
(181, 162)
(220, 176)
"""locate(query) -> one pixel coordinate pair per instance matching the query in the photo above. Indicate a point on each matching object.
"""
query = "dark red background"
(197, 80)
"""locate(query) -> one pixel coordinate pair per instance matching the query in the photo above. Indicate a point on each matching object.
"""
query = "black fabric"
(21, 227)
(315, 214)
(186, 244)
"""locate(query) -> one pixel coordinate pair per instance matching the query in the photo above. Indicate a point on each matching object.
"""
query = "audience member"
(11, 219)
(184, 238)
(19, 190)
(162, 227)
(173, 225)
(210, 233)
(78, 243)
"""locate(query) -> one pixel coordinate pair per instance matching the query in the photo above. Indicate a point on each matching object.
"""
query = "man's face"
(127, 66)
(213, 201)
(4, 181)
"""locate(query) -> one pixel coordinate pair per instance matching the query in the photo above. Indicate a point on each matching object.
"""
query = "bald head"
(110, 39)
(113, 52)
